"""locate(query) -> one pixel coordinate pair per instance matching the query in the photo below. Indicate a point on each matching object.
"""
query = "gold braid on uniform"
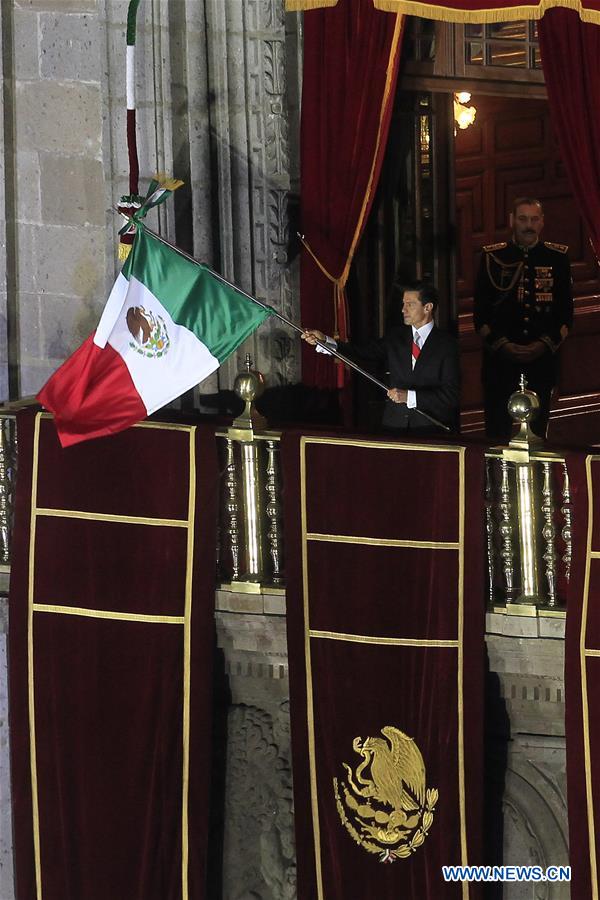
(518, 266)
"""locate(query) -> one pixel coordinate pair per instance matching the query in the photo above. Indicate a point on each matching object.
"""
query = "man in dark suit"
(422, 362)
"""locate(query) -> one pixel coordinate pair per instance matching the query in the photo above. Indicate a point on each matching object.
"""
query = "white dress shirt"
(424, 331)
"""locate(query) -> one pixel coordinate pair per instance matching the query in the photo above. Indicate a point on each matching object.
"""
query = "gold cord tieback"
(339, 284)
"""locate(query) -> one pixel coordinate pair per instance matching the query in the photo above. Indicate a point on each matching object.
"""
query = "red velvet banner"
(582, 675)
(111, 630)
(385, 631)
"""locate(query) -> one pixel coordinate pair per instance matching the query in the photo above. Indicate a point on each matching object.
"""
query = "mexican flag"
(167, 325)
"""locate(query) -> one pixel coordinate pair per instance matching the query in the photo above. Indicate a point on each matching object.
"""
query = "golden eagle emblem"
(149, 332)
(385, 804)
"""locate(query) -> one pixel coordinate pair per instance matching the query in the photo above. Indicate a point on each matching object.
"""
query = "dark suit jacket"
(435, 377)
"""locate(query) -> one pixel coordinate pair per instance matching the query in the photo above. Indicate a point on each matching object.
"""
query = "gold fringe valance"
(466, 16)
(301, 5)
(474, 16)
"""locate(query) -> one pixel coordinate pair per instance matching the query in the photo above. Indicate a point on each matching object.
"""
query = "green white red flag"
(169, 323)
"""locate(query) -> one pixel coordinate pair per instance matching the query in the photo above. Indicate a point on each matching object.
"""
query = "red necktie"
(416, 350)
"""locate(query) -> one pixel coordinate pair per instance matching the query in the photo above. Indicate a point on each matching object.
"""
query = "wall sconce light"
(463, 115)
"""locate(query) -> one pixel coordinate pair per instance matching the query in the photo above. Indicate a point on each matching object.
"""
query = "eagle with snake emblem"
(385, 804)
(149, 332)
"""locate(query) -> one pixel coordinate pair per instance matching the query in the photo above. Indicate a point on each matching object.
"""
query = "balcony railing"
(528, 518)
(527, 507)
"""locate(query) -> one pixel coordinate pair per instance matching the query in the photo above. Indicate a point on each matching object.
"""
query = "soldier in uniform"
(523, 312)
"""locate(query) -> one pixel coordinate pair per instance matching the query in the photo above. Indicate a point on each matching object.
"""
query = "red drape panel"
(385, 637)
(571, 59)
(582, 673)
(350, 64)
(111, 631)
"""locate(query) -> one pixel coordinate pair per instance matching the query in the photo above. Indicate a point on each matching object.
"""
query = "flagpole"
(278, 315)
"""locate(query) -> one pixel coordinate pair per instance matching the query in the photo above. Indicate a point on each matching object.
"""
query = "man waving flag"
(169, 323)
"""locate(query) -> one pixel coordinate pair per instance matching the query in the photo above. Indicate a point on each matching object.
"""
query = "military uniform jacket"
(524, 294)
(435, 377)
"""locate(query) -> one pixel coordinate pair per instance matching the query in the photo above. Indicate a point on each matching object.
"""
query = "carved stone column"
(527, 656)
(253, 103)
(258, 851)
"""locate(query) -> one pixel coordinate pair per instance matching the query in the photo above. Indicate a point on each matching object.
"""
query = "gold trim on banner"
(592, 653)
(303, 5)
(380, 445)
(372, 639)
(164, 426)
(184, 620)
(584, 686)
(187, 657)
(460, 667)
(381, 542)
(159, 426)
(109, 517)
(475, 16)
(310, 718)
(88, 613)
(338, 636)
(30, 665)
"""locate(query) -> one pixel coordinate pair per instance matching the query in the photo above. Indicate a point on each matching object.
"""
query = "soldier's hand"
(531, 352)
(311, 336)
(512, 350)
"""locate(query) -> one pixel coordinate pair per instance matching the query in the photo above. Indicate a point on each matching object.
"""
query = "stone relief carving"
(272, 13)
(259, 856)
(535, 815)
(521, 832)
(276, 131)
(270, 175)
(254, 85)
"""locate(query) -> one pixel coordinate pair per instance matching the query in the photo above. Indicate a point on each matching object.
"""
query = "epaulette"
(500, 246)
(562, 248)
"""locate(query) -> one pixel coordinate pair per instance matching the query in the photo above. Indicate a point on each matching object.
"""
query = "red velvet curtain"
(571, 59)
(582, 674)
(350, 64)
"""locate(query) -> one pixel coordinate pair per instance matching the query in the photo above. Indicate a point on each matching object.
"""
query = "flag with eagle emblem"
(168, 324)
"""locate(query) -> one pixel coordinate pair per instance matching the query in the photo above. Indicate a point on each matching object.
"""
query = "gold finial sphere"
(523, 405)
(249, 384)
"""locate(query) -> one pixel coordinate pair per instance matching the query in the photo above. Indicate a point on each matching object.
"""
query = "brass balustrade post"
(253, 569)
(549, 533)
(250, 552)
(567, 531)
(8, 465)
(527, 514)
(506, 530)
(274, 510)
(528, 549)
(489, 527)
